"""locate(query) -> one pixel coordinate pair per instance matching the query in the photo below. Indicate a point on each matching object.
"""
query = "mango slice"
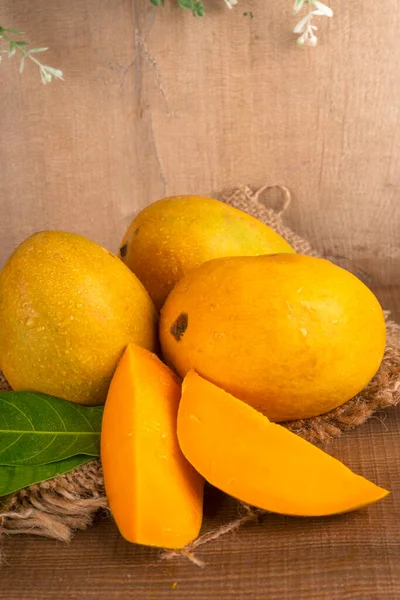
(241, 452)
(155, 495)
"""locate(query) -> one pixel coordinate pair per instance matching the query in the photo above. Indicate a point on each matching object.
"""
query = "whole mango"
(172, 236)
(68, 309)
(291, 335)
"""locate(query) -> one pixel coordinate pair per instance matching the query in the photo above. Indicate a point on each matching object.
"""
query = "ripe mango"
(291, 335)
(68, 309)
(172, 236)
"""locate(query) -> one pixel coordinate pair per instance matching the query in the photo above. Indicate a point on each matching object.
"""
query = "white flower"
(231, 3)
(304, 26)
(325, 10)
(301, 25)
(312, 40)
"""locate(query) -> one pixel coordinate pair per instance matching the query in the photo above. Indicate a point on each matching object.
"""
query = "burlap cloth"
(57, 507)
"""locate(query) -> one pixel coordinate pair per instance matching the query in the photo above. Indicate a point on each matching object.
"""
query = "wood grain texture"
(155, 102)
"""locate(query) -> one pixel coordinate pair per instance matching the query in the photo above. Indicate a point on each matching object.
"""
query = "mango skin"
(291, 335)
(68, 309)
(174, 235)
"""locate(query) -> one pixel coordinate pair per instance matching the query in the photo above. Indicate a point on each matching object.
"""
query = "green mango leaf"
(36, 429)
(13, 479)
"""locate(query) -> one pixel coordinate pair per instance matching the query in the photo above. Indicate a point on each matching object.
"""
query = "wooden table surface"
(156, 103)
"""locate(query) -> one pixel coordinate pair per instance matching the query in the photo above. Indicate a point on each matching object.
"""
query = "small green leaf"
(12, 49)
(197, 8)
(13, 479)
(186, 4)
(36, 429)
(33, 50)
(17, 31)
(21, 44)
(157, 2)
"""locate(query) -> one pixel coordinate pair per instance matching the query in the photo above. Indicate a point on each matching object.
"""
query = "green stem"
(47, 73)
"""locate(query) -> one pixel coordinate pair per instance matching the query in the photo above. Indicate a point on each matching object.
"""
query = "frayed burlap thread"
(69, 502)
(251, 515)
(57, 507)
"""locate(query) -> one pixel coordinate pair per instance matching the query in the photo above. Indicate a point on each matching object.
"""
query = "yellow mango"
(291, 335)
(172, 236)
(68, 309)
(241, 452)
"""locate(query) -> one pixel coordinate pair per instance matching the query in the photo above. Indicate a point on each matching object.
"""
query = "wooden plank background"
(155, 103)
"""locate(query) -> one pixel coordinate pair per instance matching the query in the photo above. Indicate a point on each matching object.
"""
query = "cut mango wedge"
(155, 495)
(239, 451)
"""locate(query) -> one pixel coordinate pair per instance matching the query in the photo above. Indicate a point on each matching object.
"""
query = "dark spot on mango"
(179, 326)
(123, 250)
(136, 231)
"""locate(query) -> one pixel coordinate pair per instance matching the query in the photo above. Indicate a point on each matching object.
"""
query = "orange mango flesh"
(241, 452)
(155, 495)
